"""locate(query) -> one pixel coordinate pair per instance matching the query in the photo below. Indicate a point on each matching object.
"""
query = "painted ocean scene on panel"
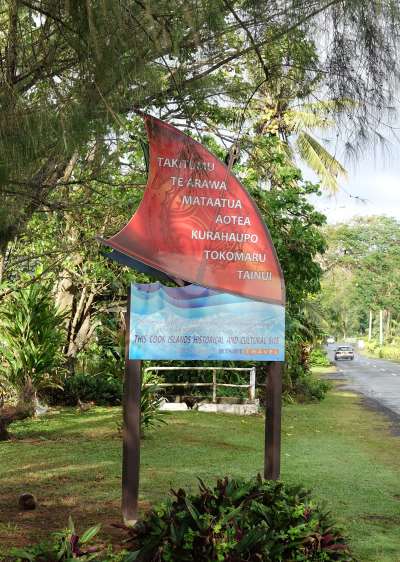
(196, 323)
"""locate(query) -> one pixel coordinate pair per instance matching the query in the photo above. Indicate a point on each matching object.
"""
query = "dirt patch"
(23, 528)
(376, 406)
(388, 519)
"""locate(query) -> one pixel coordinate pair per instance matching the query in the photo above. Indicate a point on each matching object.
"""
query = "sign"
(196, 222)
(195, 323)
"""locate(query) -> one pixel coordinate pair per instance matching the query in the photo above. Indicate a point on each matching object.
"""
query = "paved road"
(375, 378)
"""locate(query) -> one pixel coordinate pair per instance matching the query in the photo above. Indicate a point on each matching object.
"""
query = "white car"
(344, 352)
(330, 340)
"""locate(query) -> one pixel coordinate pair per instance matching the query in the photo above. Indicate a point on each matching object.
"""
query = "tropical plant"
(284, 105)
(295, 122)
(31, 334)
(299, 383)
(150, 402)
(64, 546)
(319, 358)
(238, 521)
(97, 375)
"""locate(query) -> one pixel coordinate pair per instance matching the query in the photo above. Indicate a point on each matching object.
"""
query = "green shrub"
(106, 390)
(319, 358)
(306, 388)
(100, 388)
(389, 351)
(31, 339)
(297, 357)
(372, 347)
(238, 521)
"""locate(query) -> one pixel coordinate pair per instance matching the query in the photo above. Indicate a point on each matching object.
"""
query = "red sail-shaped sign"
(196, 222)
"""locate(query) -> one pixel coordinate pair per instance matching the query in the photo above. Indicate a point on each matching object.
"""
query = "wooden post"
(214, 388)
(381, 327)
(252, 387)
(273, 400)
(131, 432)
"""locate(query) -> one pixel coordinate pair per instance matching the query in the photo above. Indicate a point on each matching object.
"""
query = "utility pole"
(381, 327)
(370, 326)
(388, 319)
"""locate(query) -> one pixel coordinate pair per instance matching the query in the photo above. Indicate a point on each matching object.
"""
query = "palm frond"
(328, 107)
(297, 120)
(327, 168)
(313, 313)
(318, 114)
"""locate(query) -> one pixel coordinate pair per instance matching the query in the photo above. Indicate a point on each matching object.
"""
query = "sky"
(372, 187)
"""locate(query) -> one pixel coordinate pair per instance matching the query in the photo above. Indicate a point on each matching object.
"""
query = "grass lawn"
(347, 454)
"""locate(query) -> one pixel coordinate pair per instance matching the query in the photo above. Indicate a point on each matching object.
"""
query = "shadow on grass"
(71, 423)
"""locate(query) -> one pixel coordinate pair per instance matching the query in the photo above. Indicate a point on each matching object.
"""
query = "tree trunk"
(75, 297)
(4, 433)
(10, 415)
(2, 260)
(77, 301)
(24, 409)
(27, 397)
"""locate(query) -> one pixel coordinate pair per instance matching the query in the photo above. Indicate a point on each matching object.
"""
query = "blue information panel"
(195, 323)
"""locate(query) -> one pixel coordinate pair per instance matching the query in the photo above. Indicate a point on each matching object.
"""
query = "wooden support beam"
(131, 433)
(273, 399)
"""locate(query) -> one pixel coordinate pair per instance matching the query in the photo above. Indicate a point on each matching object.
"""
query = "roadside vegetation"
(360, 281)
(389, 351)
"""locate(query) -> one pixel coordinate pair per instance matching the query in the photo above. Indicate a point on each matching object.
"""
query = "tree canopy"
(72, 72)
(362, 266)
